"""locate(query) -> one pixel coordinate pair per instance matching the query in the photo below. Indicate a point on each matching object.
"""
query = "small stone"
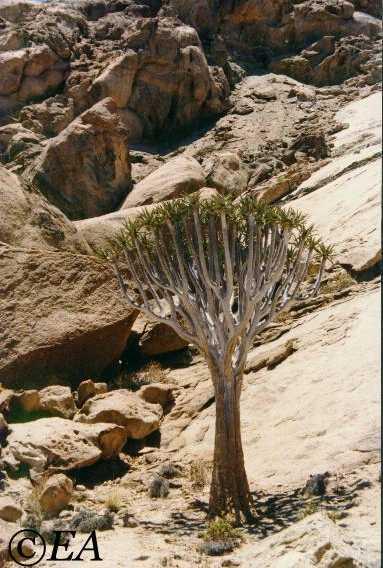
(9, 511)
(56, 493)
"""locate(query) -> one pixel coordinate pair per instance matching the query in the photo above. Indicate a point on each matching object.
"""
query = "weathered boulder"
(29, 220)
(124, 408)
(174, 83)
(62, 317)
(9, 511)
(227, 173)
(85, 170)
(177, 177)
(57, 401)
(61, 443)
(29, 73)
(55, 493)
(328, 61)
(50, 401)
(87, 389)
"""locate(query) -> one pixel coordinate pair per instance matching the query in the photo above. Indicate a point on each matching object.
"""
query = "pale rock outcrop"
(124, 408)
(62, 317)
(55, 493)
(28, 220)
(85, 170)
(314, 541)
(343, 198)
(303, 415)
(178, 177)
(60, 443)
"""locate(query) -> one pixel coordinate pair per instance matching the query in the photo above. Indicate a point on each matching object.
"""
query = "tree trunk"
(229, 491)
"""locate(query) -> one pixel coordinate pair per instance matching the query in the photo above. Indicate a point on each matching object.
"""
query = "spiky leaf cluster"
(217, 270)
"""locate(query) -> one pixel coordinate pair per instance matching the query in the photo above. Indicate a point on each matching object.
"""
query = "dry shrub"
(341, 281)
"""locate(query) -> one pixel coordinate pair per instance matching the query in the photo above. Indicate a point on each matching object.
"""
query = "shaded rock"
(157, 393)
(28, 401)
(373, 7)
(316, 485)
(117, 79)
(60, 443)
(49, 117)
(284, 183)
(87, 389)
(329, 61)
(227, 173)
(177, 177)
(271, 359)
(174, 83)
(124, 408)
(3, 429)
(55, 493)
(62, 316)
(9, 511)
(157, 338)
(85, 170)
(58, 401)
(158, 488)
(29, 73)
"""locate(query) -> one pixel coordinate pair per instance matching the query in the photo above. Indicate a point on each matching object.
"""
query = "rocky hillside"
(106, 417)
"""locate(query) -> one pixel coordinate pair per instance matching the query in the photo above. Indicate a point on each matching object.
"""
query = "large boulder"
(173, 84)
(29, 220)
(124, 408)
(60, 443)
(180, 176)
(62, 317)
(85, 170)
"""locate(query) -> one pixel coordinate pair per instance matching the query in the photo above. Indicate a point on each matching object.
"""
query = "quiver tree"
(217, 272)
